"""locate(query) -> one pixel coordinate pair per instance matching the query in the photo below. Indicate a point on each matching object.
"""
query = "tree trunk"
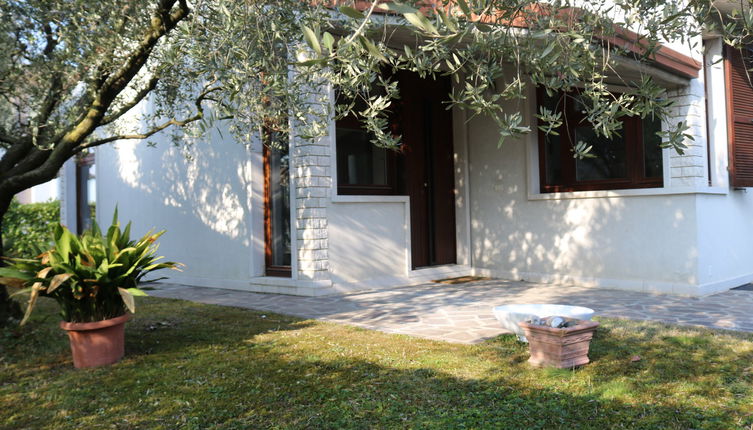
(9, 308)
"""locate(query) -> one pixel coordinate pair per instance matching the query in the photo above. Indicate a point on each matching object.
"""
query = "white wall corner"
(68, 213)
(257, 265)
(462, 186)
(533, 176)
(716, 94)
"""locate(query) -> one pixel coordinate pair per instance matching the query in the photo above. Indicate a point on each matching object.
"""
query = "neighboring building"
(78, 186)
(341, 215)
(40, 193)
(76, 195)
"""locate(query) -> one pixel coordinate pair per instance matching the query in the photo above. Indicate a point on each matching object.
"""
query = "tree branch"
(33, 157)
(171, 122)
(14, 154)
(9, 139)
(51, 41)
(133, 102)
(51, 100)
(146, 135)
(163, 21)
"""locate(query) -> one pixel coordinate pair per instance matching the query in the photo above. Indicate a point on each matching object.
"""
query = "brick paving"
(463, 313)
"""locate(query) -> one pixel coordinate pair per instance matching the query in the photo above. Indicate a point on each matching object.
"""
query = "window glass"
(359, 162)
(630, 159)
(553, 159)
(553, 143)
(652, 152)
(609, 159)
(279, 206)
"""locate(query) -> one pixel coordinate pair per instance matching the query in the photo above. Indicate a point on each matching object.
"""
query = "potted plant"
(94, 278)
(559, 342)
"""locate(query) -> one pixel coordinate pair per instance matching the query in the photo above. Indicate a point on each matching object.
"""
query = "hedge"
(28, 227)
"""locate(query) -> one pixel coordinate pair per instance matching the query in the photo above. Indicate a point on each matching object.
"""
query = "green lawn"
(199, 366)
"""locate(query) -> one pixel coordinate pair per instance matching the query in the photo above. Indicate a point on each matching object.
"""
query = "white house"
(338, 214)
(40, 193)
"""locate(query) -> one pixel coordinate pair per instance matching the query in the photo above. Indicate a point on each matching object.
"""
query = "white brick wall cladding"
(313, 244)
(689, 169)
(312, 162)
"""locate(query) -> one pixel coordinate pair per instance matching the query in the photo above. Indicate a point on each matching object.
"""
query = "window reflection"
(609, 159)
(277, 211)
(359, 162)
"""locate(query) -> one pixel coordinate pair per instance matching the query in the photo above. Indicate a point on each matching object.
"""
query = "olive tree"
(75, 74)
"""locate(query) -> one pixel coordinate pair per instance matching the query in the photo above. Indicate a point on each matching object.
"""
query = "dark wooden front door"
(425, 168)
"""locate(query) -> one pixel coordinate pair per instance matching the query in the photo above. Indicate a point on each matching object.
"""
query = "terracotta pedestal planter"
(97, 343)
(563, 348)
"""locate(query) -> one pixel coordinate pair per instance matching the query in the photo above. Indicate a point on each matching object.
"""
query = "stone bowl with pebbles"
(510, 315)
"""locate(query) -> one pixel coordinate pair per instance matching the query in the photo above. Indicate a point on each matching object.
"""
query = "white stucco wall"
(204, 202)
(725, 221)
(690, 237)
(685, 238)
(636, 242)
(367, 244)
(725, 235)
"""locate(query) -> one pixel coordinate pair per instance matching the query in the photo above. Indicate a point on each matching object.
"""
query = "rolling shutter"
(740, 116)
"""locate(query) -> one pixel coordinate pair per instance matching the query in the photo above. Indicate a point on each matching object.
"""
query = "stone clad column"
(313, 179)
(690, 169)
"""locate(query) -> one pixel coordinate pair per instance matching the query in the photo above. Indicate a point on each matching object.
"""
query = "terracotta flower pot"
(563, 348)
(97, 343)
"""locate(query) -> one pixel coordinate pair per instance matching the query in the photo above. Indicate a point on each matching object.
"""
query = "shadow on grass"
(160, 326)
(162, 330)
(211, 367)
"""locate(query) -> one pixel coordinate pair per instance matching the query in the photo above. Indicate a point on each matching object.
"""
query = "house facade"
(339, 215)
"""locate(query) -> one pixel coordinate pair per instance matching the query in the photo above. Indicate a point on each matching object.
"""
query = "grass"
(197, 366)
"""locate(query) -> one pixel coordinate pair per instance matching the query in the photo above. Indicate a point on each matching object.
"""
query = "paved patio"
(462, 313)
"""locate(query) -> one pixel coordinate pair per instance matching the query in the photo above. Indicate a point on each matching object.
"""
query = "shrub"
(28, 227)
(93, 277)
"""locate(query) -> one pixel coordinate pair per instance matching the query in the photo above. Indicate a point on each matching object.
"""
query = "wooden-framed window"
(633, 159)
(362, 167)
(277, 226)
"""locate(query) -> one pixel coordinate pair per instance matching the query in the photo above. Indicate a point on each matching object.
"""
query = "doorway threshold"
(426, 274)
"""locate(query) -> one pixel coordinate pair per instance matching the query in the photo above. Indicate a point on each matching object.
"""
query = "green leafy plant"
(26, 227)
(93, 277)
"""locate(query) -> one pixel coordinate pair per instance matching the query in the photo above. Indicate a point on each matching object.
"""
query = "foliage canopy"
(70, 71)
(29, 226)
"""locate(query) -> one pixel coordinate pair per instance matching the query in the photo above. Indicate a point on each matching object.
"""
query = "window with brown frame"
(632, 159)
(362, 167)
(276, 205)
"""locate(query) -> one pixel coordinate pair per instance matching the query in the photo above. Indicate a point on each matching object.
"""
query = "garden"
(190, 365)
(75, 76)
